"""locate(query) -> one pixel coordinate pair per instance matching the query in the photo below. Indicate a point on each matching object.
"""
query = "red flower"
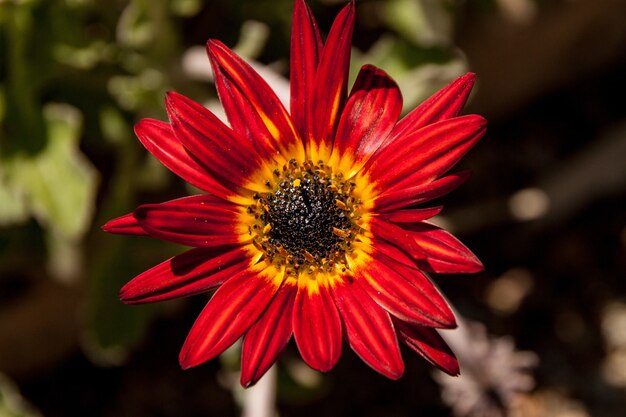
(308, 225)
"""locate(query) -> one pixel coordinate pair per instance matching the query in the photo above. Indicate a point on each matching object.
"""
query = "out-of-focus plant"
(12, 404)
(493, 373)
(74, 76)
(39, 154)
(416, 48)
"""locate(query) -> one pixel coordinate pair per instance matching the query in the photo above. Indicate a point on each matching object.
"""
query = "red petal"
(407, 197)
(159, 140)
(267, 337)
(390, 250)
(201, 220)
(371, 112)
(192, 272)
(426, 154)
(221, 151)
(124, 225)
(252, 107)
(317, 328)
(429, 345)
(234, 307)
(397, 236)
(405, 292)
(412, 215)
(306, 46)
(369, 330)
(445, 104)
(444, 253)
(331, 80)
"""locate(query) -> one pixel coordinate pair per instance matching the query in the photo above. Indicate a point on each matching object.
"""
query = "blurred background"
(543, 330)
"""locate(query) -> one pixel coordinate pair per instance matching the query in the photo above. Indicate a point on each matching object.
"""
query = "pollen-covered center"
(306, 219)
(303, 214)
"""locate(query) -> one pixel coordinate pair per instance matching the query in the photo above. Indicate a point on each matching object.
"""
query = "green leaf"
(58, 183)
(57, 186)
(252, 39)
(136, 27)
(425, 22)
(185, 7)
(12, 404)
(13, 209)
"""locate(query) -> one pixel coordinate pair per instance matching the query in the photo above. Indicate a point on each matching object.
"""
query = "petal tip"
(445, 317)
(393, 369)
(144, 128)
(212, 45)
(185, 361)
(106, 227)
(246, 383)
(464, 84)
(124, 225)
(128, 295)
(463, 175)
(451, 368)
(396, 374)
(469, 77)
(324, 367)
(474, 119)
(248, 377)
(476, 266)
(171, 96)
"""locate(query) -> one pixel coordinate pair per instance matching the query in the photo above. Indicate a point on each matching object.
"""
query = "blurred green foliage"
(75, 75)
(11, 402)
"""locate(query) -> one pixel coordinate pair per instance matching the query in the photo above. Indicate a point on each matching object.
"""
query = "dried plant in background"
(493, 372)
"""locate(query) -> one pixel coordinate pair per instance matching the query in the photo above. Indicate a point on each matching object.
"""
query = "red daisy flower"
(308, 226)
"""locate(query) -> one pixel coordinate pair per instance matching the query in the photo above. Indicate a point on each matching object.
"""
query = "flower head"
(308, 225)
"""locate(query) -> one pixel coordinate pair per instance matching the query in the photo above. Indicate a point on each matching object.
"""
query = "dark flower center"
(306, 219)
(303, 217)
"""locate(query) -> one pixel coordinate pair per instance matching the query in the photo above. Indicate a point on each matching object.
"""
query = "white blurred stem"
(260, 400)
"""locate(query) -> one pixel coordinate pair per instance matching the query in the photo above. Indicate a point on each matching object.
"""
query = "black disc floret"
(307, 220)
(303, 217)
